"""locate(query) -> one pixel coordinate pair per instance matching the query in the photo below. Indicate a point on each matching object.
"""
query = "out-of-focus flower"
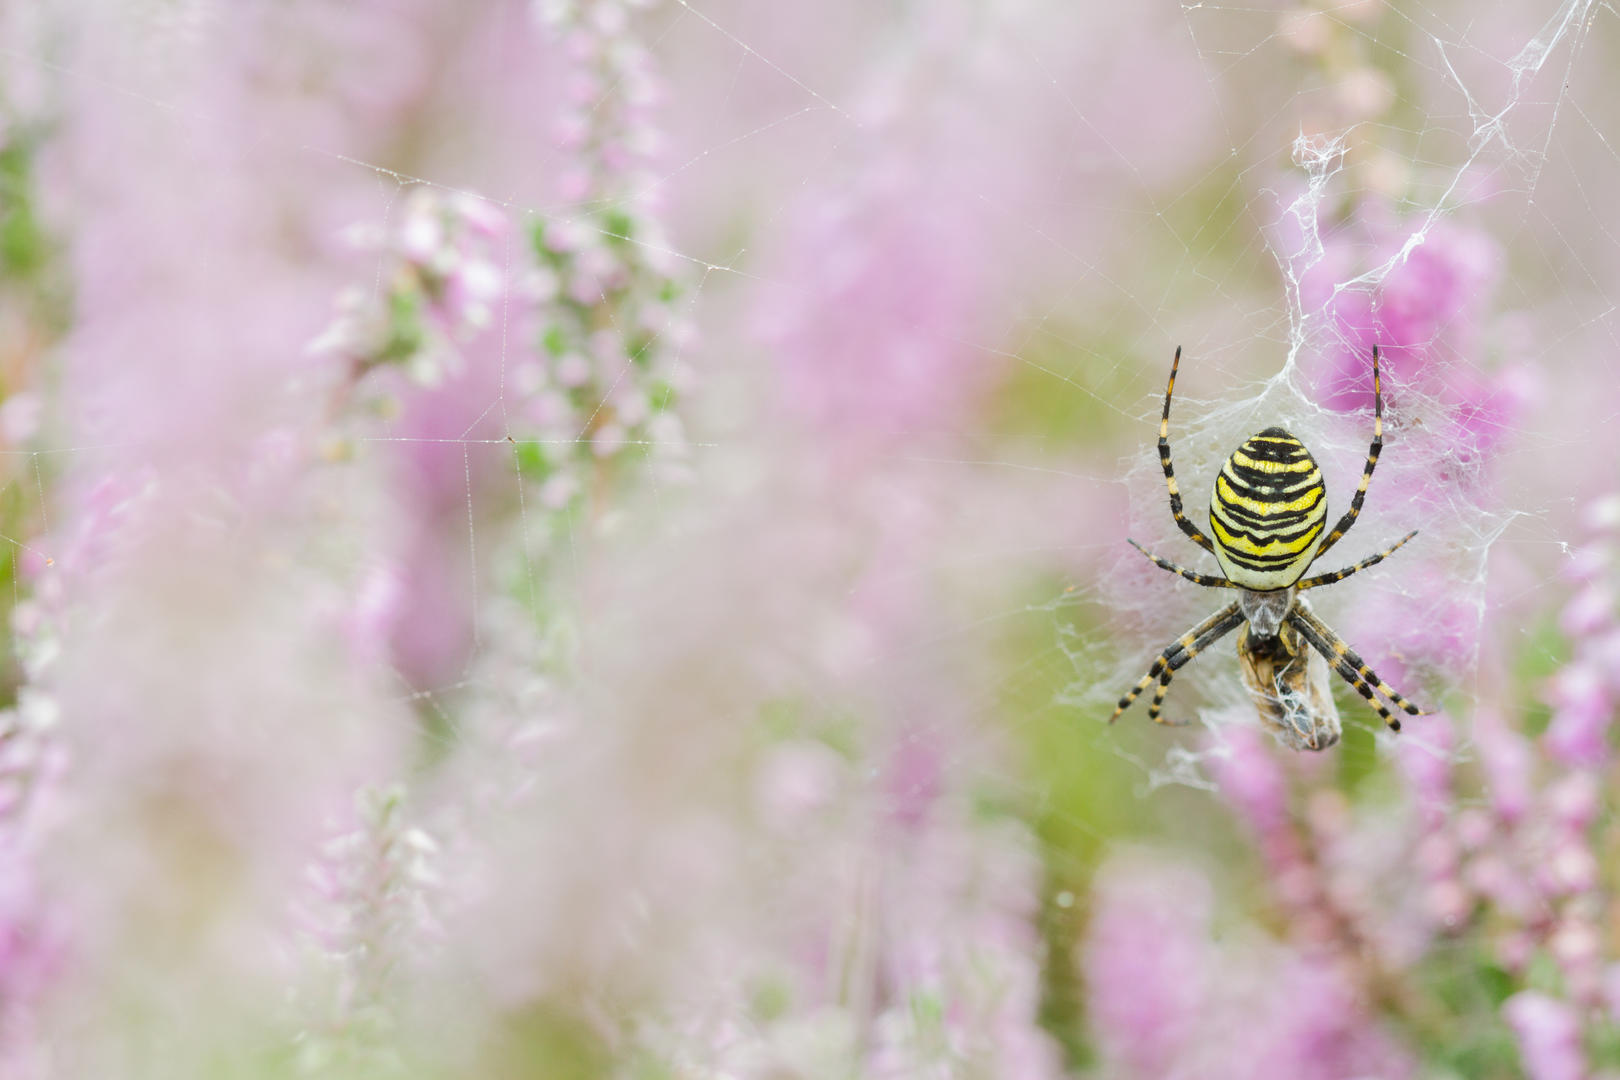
(1508, 763)
(894, 261)
(1549, 1034)
(1584, 693)
(1168, 1000)
(1147, 961)
(443, 281)
(370, 918)
(1424, 313)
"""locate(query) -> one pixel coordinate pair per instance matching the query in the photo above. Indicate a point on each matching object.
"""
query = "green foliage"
(618, 226)
(1463, 1034)
(544, 1043)
(405, 333)
(1544, 651)
(534, 459)
(24, 245)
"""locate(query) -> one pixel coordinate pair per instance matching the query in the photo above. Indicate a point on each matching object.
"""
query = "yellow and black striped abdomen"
(1268, 511)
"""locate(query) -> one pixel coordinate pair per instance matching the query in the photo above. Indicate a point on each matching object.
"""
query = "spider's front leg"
(1360, 496)
(1209, 581)
(1340, 575)
(1182, 521)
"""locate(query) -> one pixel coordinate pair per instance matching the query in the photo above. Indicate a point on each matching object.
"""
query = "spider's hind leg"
(1351, 667)
(1158, 700)
(1185, 648)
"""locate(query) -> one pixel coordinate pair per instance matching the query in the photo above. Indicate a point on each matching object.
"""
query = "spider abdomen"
(1268, 511)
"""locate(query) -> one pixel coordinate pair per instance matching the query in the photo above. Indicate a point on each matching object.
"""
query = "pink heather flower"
(35, 948)
(1426, 767)
(873, 328)
(1569, 868)
(559, 490)
(1582, 713)
(1574, 800)
(486, 218)
(958, 977)
(1602, 515)
(1147, 961)
(1168, 1002)
(1584, 693)
(1498, 878)
(1587, 563)
(1251, 779)
(1431, 295)
(1611, 991)
(796, 780)
(1591, 610)
(472, 290)
(421, 235)
(374, 613)
(573, 185)
(1507, 758)
(1549, 1034)
(372, 914)
(608, 440)
(1328, 1035)
(431, 619)
(20, 418)
(1603, 650)
(1513, 950)
(1426, 311)
(572, 370)
(915, 777)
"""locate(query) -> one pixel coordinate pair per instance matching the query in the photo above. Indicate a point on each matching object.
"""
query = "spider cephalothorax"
(1267, 514)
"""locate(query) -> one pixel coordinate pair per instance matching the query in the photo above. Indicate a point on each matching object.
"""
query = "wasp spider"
(1266, 520)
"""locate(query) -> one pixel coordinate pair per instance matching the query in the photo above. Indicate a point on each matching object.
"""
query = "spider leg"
(1371, 560)
(1185, 648)
(1169, 471)
(1202, 642)
(1158, 700)
(1351, 667)
(1207, 580)
(1351, 514)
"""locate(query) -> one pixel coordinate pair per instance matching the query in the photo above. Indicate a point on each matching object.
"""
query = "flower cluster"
(439, 280)
(585, 320)
(1423, 308)
(1170, 997)
(372, 886)
(913, 953)
(608, 307)
(606, 373)
(32, 767)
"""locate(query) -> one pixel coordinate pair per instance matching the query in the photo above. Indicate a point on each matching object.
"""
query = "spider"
(1266, 517)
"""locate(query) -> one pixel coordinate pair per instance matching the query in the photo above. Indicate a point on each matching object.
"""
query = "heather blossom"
(1170, 998)
(1430, 286)
(373, 885)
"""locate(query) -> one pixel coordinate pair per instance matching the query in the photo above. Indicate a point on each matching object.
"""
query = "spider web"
(1100, 244)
